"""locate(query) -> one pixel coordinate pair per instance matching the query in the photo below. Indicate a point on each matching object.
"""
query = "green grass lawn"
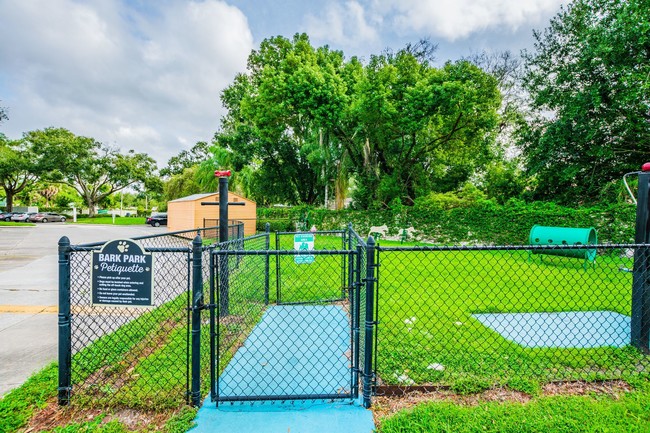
(15, 224)
(571, 414)
(123, 221)
(426, 301)
(426, 333)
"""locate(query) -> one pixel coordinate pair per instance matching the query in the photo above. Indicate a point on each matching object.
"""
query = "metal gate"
(305, 339)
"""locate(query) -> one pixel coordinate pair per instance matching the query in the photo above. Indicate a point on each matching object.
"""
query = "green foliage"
(447, 218)
(589, 71)
(183, 184)
(20, 167)
(629, 413)
(470, 385)
(18, 406)
(186, 159)
(306, 120)
(529, 386)
(94, 170)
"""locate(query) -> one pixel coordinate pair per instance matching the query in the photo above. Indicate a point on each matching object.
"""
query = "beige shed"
(187, 213)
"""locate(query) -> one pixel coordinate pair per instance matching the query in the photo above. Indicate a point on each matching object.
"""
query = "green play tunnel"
(558, 236)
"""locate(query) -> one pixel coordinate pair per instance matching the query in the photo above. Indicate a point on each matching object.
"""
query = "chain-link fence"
(137, 357)
(331, 315)
(285, 328)
(476, 317)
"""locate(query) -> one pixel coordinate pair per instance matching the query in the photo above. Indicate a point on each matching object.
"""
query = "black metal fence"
(286, 319)
(350, 319)
(477, 317)
(133, 356)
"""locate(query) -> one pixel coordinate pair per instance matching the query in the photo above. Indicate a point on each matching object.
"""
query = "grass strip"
(570, 414)
(121, 221)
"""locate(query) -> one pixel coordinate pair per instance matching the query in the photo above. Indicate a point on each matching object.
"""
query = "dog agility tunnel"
(561, 236)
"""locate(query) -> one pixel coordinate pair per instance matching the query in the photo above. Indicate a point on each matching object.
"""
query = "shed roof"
(195, 197)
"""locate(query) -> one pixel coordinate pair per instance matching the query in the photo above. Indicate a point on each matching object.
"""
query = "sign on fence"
(303, 242)
(122, 275)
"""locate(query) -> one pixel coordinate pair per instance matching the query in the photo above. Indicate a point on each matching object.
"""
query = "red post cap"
(222, 173)
(645, 167)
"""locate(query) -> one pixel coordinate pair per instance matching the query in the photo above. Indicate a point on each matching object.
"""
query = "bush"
(448, 219)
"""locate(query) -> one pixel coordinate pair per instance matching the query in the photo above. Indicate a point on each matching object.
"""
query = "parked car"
(44, 217)
(6, 216)
(157, 219)
(22, 217)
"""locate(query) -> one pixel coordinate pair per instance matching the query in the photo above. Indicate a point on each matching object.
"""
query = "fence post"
(65, 334)
(197, 306)
(640, 322)
(356, 284)
(213, 331)
(267, 269)
(370, 323)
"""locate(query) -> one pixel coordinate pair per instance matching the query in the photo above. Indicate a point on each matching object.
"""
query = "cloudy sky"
(146, 75)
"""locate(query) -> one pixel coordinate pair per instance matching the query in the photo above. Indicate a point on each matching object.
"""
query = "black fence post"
(356, 318)
(213, 331)
(267, 269)
(65, 331)
(640, 322)
(369, 325)
(278, 298)
(197, 306)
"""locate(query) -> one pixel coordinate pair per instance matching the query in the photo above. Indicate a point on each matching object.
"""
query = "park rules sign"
(122, 275)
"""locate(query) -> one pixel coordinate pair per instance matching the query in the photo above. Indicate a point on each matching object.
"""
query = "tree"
(181, 185)
(95, 171)
(308, 120)
(414, 128)
(186, 159)
(588, 81)
(3, 114)
(48, 193)
(20, 167)
(278, 118)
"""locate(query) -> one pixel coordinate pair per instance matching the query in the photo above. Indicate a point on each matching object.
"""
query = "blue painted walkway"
(572, 329)
(294, 350)
(300, 417)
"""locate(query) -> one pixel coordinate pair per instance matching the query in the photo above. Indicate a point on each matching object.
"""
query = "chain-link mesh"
(484, 316)
(290, 323)
(210, 232)
(270, 351)
(136, 356)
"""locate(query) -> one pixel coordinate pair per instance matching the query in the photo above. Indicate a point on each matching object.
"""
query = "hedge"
(479, 222)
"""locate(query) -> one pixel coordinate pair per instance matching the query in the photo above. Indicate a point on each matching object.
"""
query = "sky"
(147, 74)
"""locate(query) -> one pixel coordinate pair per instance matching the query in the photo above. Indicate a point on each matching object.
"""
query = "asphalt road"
(28, 292)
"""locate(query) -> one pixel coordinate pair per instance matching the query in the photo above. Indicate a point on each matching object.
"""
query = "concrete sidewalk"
(29, 292)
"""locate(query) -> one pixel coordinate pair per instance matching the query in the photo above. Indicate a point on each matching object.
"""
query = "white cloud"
(146, 79)
(459, 19)
(347, 24)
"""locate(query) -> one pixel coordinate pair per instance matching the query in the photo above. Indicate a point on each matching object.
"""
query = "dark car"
(44, 217)
(157, 219)
(22, 217)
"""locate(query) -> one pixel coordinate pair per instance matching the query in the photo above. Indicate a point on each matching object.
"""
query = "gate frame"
(352, 281)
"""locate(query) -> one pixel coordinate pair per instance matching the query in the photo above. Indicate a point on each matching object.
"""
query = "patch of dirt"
(53, 416)
(118, 375)
(387, 405)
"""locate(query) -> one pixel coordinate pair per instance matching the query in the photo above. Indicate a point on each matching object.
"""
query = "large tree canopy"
(306, 119)
(20, 167)
(92, 169)
(589, 82)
